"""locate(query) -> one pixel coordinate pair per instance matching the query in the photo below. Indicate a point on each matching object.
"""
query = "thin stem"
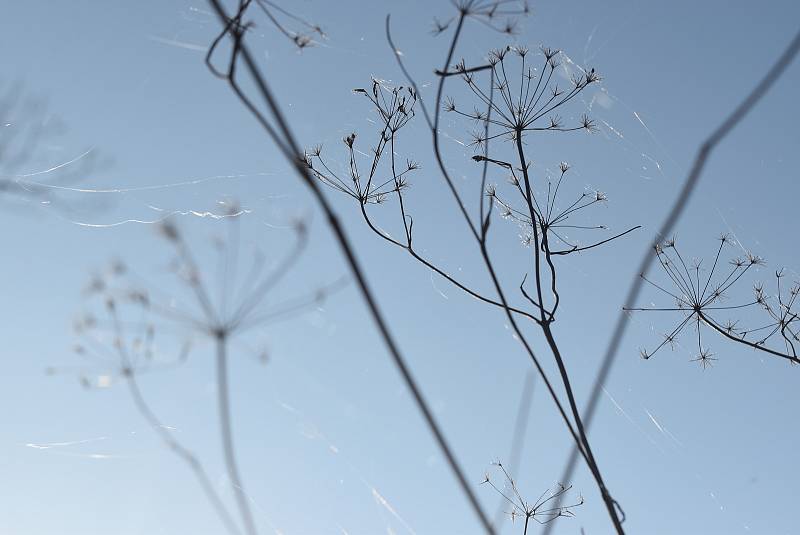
(610, 503)
(179, 450)
(708, 321)
(223, 401)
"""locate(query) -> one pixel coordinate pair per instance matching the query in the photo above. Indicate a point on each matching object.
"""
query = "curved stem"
(710, 322)
(182, 452)
(439, 271)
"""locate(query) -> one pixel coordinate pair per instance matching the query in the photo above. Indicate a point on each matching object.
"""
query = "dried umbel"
(699, 295)
(298, 30)
(554, 219)
(301, 38)
(499, 15)
(516, 98)
(546, 508)
(394, 107)
(238, 302)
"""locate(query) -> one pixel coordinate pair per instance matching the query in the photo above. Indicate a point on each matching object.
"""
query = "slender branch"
(578, 249)
(760, 347)
(459, 72)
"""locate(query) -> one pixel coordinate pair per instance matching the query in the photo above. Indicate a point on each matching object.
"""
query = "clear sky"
(328, 438)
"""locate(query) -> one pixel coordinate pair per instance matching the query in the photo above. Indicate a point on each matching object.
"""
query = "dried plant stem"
(188, 457)
(579, 437)
(611, 504)
(518, 437)
(435, 127)
(285, 141)
(758, 347)
(223, 400)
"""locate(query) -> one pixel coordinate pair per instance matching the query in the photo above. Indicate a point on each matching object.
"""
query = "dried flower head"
(547, 506)
(699, 296)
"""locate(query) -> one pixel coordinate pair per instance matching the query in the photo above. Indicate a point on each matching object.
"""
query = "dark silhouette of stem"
(285, 141)
(714, 325)
(578, 249)
(545, 322)
(611, 504)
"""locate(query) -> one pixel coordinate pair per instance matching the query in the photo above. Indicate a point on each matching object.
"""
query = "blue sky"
(328, 437)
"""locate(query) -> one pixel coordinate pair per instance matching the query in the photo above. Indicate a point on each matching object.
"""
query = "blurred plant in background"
(219, 307)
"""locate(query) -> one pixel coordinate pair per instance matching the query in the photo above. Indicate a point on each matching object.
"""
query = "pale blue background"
(327, 423)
